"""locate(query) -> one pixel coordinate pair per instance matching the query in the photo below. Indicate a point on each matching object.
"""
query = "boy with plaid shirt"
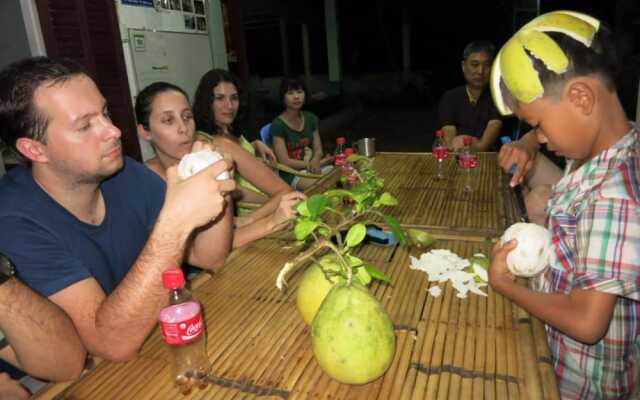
(556, 73)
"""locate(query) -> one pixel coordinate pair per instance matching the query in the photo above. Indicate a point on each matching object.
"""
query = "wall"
(13, 36)
(165, 20)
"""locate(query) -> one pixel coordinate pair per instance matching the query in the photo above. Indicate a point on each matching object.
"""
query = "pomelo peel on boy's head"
(514, 67)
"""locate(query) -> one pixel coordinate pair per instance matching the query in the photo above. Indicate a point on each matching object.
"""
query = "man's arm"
(115, 326)
(211, 245)
(42, 339)
(450, 132)
(489, 135)
(11, 389)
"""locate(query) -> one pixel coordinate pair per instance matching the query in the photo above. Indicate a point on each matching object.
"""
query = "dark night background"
(371, 47)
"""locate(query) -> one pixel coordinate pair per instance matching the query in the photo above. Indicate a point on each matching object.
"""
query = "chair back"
(265, 135)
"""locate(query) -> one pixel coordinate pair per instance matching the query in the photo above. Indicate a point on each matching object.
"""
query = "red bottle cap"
(467, 140)
(348, 151)
(173, 278)
(439, 133)
(341, 140)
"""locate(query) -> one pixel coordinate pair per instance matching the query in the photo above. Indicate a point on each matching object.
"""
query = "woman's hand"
(326, 160)
(314, 165)
(286, 210)
(265, 152)
(499, 275)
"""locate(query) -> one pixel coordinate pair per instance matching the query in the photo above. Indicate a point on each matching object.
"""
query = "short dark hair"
(205, 120)
(19, 116)
(599, 60)
(291, 83)
(479, 46)
(147, 95)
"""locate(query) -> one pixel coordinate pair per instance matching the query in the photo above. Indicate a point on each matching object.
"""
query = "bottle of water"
(339, 156)
(348, 171)
(468, 161)
(182, 329)
(440, 152)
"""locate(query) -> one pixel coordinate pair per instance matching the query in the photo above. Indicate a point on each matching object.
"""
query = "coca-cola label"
(340, 159)
(468, 161)
(182, 332)
(440, 152)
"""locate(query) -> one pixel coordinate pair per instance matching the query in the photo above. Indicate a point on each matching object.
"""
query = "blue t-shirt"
(52, 249)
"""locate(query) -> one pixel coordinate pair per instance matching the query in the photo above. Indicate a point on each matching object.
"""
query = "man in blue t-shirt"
(88, 228)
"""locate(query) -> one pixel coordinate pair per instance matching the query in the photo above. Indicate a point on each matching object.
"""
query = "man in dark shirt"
(468, 110)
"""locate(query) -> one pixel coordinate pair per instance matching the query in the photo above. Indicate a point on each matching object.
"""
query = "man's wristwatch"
(7, 269)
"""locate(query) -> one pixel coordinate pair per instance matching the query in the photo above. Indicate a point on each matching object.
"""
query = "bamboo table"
(447, 348)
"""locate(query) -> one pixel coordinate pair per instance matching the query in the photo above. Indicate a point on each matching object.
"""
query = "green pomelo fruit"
(352, 335)
(314, 286)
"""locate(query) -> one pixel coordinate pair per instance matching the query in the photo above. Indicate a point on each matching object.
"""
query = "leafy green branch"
(328, 215)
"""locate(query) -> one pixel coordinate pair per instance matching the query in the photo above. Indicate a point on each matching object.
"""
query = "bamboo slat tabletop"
(259, 346)
(431, 203)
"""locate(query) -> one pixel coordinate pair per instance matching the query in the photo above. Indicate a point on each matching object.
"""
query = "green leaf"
(397, 230)
(420, 238)
(354, 261)
(356, 234)
(356, 157)
(324, 232)
(304, 227)
(337, 193)
(376, 273)
(302, 209)
(363, 276)
(316, 205)
(387, 199)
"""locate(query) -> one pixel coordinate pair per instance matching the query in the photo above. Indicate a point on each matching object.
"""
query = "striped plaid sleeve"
(608, 248)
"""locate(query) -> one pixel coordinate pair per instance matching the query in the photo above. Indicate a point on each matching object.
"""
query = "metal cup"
(366, 147)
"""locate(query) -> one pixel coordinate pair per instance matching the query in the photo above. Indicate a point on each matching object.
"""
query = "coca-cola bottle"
(440, 152)
(468, 161)
(182, 329)
(339, 157)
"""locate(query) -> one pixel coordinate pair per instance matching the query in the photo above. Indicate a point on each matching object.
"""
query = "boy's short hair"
(19, 116)
(479, 46)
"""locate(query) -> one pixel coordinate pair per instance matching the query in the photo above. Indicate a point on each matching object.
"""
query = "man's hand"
(11, 389)
(200, 199)
(458, 142)
(499, 275)
(520, 155)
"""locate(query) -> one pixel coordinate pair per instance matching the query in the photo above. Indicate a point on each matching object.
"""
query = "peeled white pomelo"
(193, 163)
(531, 256)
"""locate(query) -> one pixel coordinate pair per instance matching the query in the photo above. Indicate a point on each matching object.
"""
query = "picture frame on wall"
(202, 24)
(189, 22)
(198, 6)
(187, 6)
